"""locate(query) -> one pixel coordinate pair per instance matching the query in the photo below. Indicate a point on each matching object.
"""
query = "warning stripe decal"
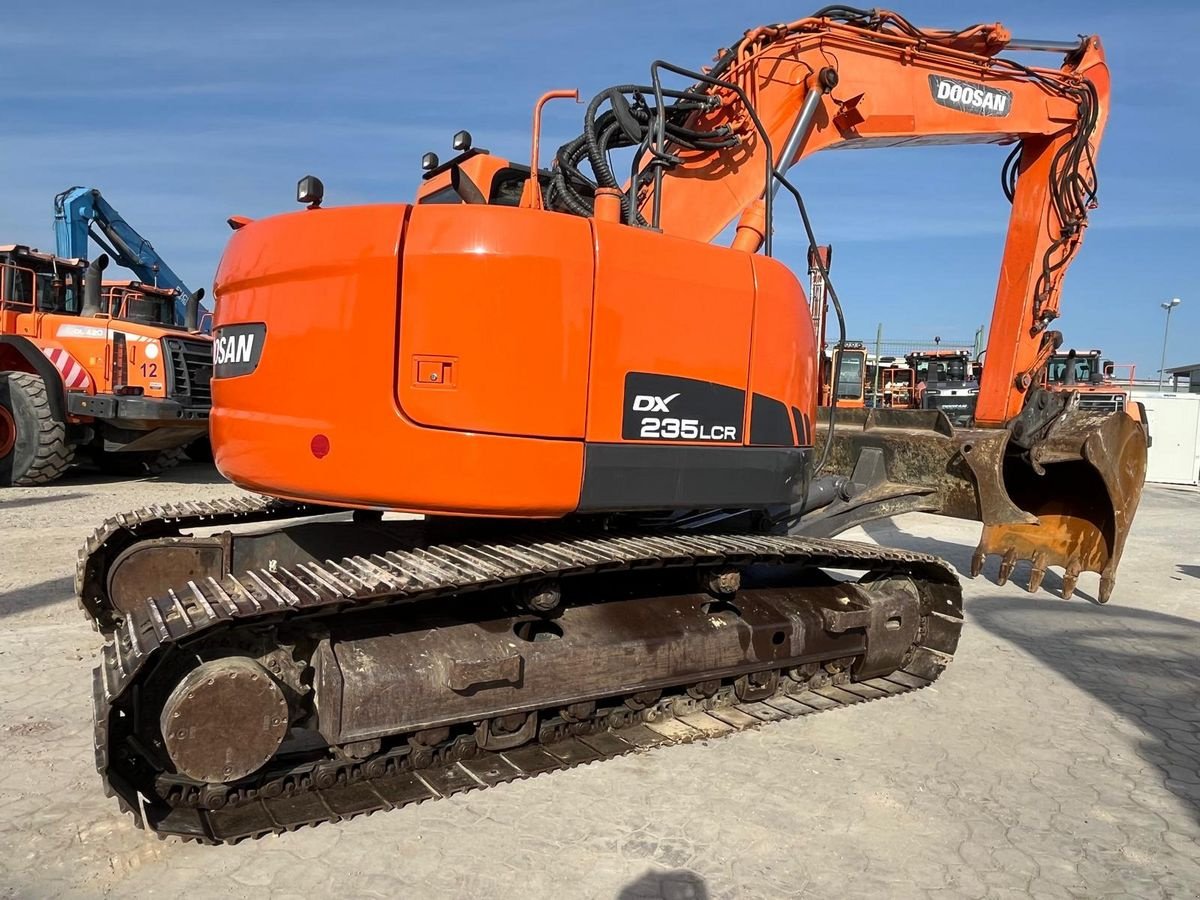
(75, 377)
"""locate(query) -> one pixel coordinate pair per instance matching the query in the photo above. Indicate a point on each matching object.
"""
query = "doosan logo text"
(237, 349)
(969, 97)
(234, 348)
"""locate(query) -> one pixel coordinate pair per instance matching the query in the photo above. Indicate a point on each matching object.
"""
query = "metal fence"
(900, 349)
(882, 354)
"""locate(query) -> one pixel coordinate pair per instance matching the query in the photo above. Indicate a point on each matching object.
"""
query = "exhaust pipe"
(91, 286)
(191, 316)
(1069, 376)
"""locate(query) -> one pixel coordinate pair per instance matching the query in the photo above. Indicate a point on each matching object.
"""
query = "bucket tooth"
(1071, 578)
(1108, 581)
(1037, 572)
(1007, 565)
(978, 558)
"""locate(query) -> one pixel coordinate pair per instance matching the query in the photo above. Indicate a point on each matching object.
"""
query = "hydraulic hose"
(837, 307)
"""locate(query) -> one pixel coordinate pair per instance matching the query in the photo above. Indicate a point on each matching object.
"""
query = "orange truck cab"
(1085, 371)
(89, 367)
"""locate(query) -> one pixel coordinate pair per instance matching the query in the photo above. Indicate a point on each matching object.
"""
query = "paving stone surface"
(1058, 757)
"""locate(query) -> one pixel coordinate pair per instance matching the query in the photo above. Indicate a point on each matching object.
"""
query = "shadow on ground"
(1141, 664)
(188, 473)
(36, 500)
(43, 593)
(674, 884)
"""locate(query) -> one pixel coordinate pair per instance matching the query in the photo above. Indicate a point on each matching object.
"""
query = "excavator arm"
(718, 151)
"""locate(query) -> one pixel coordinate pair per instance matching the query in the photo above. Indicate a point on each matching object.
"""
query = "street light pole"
(1168, 306)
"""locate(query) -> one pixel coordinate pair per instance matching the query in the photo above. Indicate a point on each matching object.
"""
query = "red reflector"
(319, 446)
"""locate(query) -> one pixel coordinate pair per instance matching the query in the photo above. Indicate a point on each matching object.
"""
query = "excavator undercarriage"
(297, 693)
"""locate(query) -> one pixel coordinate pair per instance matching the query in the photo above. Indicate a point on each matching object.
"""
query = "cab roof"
(141, 287)
(940, 354)
(34, 253)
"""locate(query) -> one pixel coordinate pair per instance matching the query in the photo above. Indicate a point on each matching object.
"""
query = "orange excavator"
(609, 426)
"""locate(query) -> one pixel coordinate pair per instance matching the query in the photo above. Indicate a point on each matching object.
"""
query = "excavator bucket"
(1058, 487)
(1082, 483)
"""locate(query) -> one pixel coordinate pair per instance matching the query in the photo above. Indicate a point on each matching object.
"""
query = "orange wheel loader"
(91, 368)
(607, 423)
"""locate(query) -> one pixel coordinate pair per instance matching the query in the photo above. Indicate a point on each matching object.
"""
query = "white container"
(1174, 436)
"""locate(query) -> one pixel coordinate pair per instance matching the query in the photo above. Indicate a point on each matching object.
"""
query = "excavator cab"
(944, 382)
(1076, 368)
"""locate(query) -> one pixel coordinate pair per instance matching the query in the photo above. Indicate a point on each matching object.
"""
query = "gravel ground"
(1059, 756)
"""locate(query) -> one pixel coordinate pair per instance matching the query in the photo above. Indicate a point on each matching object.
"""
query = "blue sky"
(185, 113)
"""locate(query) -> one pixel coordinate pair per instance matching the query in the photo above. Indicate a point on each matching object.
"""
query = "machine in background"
(105, 372)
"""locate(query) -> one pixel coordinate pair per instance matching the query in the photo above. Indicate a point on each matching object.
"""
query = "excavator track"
(120, 532)
(156, 648)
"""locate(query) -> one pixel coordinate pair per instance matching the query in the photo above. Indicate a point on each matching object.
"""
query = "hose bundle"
(629, 121)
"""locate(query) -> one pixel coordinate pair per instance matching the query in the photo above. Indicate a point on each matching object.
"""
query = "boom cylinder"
(1048, 46)
(827, 80)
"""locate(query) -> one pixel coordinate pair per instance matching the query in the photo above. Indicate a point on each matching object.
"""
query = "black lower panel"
(619, 477)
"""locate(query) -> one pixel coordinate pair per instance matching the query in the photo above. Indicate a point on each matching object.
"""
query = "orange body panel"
(471, 179)
(89, 341)
(325, 282)
(530, 319)
(665, 304)
(495, 321)
(784, 351)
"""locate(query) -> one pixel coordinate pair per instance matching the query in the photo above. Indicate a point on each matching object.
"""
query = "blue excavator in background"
(80, 212)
